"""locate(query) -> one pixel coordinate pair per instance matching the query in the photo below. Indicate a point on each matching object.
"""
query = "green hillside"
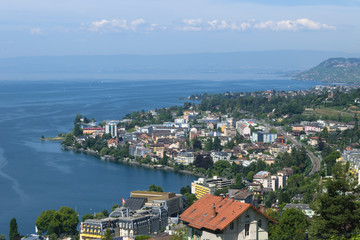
(334, 70)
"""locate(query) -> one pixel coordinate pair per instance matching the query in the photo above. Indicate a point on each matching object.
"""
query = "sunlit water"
(37, 176)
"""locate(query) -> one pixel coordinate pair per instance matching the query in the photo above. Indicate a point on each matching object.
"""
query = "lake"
(37, 176)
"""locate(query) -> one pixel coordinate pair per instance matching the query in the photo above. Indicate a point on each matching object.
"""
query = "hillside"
(334, 70)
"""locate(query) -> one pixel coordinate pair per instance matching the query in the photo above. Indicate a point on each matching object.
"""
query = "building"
(139, 151)
(265, 137)
(125, 223)
(173, 203)
(93, 130)
(244, 196)
(217, 156)
(230, 131)
(111, 128)
(185, 158)
(305, 208)
(312, 128)
(204, 186)
(273, 181)
(243, 129)
(214, 217)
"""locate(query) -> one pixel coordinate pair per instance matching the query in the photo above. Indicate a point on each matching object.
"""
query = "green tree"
(77, 119)
(69, 220)
(196, 143)
(337, 209)
(208, 145)
(108, 235)
(77, 130)
(13, 232)
(203, 161)
(69, 139)
(63, 221)
(87, 216)
(155, 188)
(115, 206)
(190, 199)
(292, 225)
(2, 237)
(217, 144)
(53, 236)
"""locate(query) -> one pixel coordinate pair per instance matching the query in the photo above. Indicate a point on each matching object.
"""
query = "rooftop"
(214, 213)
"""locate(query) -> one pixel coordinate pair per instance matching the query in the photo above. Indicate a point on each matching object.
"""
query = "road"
(315, 160)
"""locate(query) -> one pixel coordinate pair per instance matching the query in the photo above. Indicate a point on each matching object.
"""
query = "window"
(259, 223)
(247, 229)
(231, 226)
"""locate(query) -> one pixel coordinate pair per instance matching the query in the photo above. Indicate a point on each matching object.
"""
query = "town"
(269, 165)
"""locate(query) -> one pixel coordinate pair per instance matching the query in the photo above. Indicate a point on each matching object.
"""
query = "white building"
(111, 128)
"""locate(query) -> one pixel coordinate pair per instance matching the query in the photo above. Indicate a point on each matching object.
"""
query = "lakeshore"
(128, 161)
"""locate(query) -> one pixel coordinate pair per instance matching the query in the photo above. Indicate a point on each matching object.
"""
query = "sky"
(108, 27)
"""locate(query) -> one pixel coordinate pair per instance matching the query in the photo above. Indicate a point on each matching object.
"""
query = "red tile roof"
(202, 215)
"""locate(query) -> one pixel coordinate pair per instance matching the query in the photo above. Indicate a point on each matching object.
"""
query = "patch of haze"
(15, 185)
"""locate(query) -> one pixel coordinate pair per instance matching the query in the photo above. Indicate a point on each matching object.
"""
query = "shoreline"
(129, 162)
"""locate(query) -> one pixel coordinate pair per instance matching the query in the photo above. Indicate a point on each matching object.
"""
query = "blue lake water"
(37, 176)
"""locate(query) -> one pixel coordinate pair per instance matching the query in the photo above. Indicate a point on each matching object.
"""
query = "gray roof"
(135, 203)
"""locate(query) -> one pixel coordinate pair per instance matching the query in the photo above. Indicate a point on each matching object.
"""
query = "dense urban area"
(270, 165)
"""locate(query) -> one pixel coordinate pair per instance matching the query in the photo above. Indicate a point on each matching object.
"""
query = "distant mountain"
(334, 70)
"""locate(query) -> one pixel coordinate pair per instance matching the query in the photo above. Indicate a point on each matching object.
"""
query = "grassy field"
(332, 113)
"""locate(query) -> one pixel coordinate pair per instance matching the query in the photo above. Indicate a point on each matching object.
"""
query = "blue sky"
(92, 27)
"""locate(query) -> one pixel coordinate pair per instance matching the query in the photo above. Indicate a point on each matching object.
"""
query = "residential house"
(305, 208)
(185, 158)
(213, 217)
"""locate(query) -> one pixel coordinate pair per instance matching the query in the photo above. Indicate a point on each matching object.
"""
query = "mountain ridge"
(334, 70)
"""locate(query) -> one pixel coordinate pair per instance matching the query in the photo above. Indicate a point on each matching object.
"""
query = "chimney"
(214, 213)
(222, 195)
(232, 198)
(262, 208)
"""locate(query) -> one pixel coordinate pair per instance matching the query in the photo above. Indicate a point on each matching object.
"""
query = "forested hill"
(334, 70)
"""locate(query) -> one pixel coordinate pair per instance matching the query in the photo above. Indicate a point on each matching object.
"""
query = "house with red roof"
(217, 217)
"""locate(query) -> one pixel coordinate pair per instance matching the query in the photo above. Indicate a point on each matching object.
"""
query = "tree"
(155, 188)
(77, 118)
(208, 145)
(115, 206)
(107, 235)
(77, 130)
(203, 161)
(69, 139)
(217, 144)
(196, 144)
(87, 216)
(337, 209)
(190, 199)
(292, 225)
(13, 229)
(69, 220)
(2, 237)
(53, 236)
(65, 220)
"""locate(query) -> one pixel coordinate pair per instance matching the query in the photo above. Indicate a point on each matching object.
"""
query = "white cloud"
(188, 28)
(195, 25)
(293, 25)
(192, 22)
(116, 25)
(36, 31)
(222, 25)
